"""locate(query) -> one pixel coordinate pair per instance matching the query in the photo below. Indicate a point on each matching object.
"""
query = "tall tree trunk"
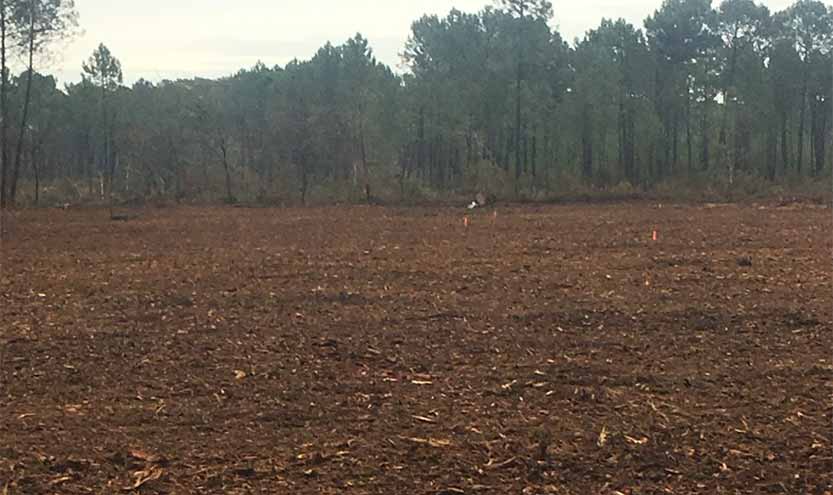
(587, 145)
(727, 96)
(499, 149)
(785, 145)
(801, 118)
(738, 155)
(675, 140)
(518, 126)
(557, 151)
(229, 196)
(653, 161)
(689, 146)
(403, 169)
(4, 110)
(365, 169)
(26, 100)
(510, 140)
(36, 173)
(667, 145)
(813, 125)
(470, 141)
(436, 162)
(704, 130)
(630, 147)
(421, 142)
(179, 192)
(621, 135)
(603, 160)
(432, 162)
(90, 157)
(819, 145)
(304, 184)
(587, 157)
(458, 172)
(771, 152)
(534, 152)
(490, 151)
(112, 159)
(625, 91)
(518, 80)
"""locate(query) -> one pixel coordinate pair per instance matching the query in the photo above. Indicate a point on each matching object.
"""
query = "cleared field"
(381, 350)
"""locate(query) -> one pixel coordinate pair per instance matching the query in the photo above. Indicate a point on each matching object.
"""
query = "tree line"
(494, 100)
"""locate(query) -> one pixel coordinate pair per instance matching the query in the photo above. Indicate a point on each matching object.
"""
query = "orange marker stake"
(655, 236)
(466, 222)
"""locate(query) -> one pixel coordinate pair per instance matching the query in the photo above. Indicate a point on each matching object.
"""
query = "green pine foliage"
(732, 98)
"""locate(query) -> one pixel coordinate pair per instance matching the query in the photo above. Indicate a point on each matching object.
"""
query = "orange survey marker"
(655, 236)
(466, 222)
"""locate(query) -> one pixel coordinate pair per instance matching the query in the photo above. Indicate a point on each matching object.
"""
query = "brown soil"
(382, 351)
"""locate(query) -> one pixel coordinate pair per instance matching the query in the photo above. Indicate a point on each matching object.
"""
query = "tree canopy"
(492, 100)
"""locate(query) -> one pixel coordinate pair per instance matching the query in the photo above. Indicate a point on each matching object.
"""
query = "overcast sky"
(159, 39)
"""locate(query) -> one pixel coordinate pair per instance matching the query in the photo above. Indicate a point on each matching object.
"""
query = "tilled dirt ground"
(384, 350)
